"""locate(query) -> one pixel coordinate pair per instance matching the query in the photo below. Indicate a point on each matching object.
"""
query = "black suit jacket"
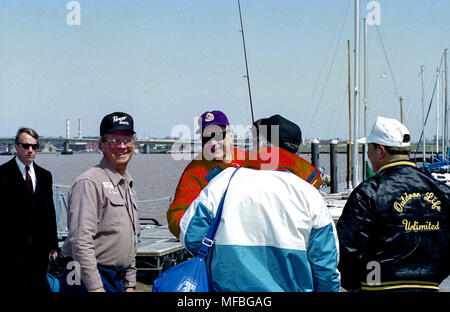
(29, 224)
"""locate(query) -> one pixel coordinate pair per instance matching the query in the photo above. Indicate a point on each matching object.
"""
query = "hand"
(98, 290)
(53, 254)
(130, 289)
(326, 179)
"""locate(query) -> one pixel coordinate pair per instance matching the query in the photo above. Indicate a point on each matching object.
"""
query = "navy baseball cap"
(289, 132)
(115, 122)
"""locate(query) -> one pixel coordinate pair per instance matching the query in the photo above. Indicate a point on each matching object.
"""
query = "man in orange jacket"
(279, 140)
(216, 151)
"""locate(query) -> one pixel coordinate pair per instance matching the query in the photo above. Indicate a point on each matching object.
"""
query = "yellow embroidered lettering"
(398, 207)
(406, 223)
(404, 200)
(415, 226)
(433, 200)
(428, 196)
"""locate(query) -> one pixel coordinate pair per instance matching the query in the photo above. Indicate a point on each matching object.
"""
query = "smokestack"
(67, 128)
(79, 128)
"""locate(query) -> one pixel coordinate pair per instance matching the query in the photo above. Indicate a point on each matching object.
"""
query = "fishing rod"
(246, 64)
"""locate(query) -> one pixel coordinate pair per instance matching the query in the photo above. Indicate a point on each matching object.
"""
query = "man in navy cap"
(103, 216)
(216, 151)
(278, 140)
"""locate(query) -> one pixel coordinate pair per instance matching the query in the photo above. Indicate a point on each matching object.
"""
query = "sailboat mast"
(355, 151)
(364, 160)
(445, 106)
(246, 64)
(366, 70)
(437, 109)
(423, 112)
(401, 108)
(349, 184)
(442, 111)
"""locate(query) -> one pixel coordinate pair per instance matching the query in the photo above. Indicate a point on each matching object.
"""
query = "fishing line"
(329, 72)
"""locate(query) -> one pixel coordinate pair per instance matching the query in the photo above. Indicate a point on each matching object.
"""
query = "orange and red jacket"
(192, 182)
(275, 158)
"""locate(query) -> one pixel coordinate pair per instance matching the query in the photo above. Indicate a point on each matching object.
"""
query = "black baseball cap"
(289, 132)
(115, 122)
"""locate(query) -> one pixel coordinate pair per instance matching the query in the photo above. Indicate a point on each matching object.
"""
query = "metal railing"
(61, 208)
(60, 197)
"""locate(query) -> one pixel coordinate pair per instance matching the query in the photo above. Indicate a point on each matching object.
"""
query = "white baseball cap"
(388, 132)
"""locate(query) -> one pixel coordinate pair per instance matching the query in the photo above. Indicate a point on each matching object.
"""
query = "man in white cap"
(394, 229)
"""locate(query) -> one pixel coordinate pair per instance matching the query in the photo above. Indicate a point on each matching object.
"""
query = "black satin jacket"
(394, 231)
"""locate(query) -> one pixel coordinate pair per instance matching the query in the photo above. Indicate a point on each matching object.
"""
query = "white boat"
(443, 177)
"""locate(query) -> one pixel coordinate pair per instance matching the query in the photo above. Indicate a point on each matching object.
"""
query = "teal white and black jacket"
(275, 234)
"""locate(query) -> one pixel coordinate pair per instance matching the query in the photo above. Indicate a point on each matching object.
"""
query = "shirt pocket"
(117, 210)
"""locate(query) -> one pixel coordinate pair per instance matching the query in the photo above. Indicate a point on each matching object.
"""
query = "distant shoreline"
(323, 150)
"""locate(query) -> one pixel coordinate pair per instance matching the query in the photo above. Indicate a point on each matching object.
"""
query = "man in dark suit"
(30, 223)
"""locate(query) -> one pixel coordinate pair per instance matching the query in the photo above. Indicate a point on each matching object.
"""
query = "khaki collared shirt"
(103, 222)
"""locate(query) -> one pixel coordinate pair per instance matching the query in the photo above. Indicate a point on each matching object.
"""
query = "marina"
(165, 64)
(156, 177)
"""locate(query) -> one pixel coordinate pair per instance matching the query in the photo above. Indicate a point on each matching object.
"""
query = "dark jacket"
(29, 226)
(400, 219)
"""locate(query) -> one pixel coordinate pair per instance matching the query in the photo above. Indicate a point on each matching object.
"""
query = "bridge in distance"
(181, 145)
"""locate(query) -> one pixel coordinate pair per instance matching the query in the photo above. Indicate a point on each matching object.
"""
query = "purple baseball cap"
(215, 117)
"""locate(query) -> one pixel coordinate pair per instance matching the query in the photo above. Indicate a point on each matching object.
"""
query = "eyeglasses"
(118, 141)
(27, 145)
(218, 136)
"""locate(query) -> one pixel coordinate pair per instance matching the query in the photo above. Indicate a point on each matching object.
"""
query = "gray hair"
(26, 130)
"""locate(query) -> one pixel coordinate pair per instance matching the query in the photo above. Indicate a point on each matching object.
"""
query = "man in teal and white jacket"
(275, 234)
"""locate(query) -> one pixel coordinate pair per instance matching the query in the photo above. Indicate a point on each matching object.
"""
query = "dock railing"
(61, 208)
(60, 197)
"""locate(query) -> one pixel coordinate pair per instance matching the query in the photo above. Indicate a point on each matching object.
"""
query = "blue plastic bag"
(53, 283)
(192, 275)
(188, 276)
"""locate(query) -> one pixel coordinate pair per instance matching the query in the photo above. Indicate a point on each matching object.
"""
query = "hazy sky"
(167, 61)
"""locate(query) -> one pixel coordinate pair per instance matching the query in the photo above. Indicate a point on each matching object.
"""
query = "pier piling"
(333, 167)
(315, 153)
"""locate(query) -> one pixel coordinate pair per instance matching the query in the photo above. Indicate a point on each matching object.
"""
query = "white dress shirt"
(24, 172)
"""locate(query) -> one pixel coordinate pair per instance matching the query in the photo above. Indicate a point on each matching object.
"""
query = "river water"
(155, 175)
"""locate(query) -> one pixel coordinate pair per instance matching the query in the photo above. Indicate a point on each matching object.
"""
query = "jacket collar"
(22, 165)
(114, 176)
(397, 163)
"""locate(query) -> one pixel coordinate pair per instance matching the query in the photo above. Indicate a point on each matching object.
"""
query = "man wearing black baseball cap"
(103, 217)
(278, 140)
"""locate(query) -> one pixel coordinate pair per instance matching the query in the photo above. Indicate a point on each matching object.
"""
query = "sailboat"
(440, 168)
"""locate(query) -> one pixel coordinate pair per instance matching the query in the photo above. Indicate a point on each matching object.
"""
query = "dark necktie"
(28, 180)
